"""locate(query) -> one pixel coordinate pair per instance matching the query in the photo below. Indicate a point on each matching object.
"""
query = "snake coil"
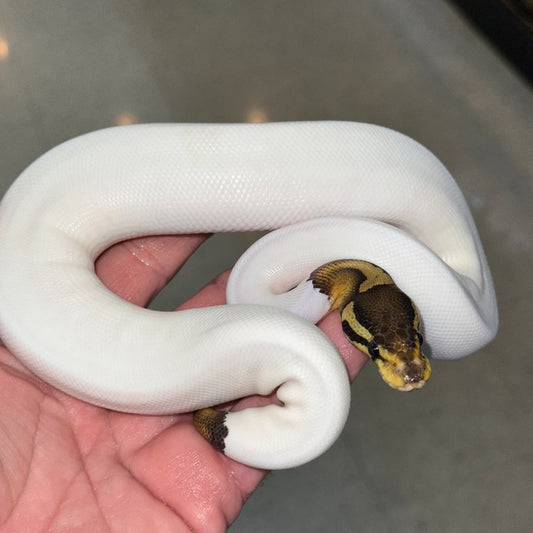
(334, 189)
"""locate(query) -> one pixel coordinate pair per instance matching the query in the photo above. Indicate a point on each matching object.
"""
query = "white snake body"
(336, 190)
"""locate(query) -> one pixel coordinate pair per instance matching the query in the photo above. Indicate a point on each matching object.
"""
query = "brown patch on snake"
(210, 423)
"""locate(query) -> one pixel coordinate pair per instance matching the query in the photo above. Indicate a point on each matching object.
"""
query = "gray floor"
(456, 457)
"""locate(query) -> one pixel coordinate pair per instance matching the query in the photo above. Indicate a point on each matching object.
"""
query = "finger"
(353, 358)
(138, 269)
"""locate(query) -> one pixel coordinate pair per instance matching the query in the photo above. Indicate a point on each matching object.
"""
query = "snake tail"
(210, 423)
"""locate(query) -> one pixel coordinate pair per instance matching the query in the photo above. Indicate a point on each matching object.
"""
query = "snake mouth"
(415, 374)
(412, 386)
(405, 372)
(403, 382)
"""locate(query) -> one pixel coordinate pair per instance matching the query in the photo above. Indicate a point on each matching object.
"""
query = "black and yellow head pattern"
(378, 318)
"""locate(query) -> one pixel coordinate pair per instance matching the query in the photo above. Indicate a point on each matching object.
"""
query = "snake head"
(378, 318)
(403, 368)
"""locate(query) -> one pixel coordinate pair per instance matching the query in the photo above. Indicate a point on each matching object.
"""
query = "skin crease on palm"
(66, 465)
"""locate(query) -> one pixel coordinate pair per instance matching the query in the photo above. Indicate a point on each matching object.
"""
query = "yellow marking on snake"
(377, 318)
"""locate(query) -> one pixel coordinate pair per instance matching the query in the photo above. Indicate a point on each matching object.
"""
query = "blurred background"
(455, 457)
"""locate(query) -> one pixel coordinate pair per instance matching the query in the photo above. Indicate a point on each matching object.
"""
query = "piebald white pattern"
(337, 190)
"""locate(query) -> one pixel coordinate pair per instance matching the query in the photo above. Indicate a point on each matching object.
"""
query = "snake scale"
(330, 190)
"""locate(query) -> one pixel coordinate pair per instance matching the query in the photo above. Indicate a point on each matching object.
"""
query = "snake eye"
(373, 350)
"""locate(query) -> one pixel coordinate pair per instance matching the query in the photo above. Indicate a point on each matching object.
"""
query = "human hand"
(66, 465)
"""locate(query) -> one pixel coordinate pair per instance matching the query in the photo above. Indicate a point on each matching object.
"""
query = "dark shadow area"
(508, 25)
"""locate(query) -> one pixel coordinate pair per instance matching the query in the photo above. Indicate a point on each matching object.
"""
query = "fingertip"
(353, 358)
(214, 293)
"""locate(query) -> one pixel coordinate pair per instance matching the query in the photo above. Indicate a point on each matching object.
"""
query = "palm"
(69, 465)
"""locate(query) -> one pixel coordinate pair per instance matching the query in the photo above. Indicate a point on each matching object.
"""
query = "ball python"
(330, 190)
